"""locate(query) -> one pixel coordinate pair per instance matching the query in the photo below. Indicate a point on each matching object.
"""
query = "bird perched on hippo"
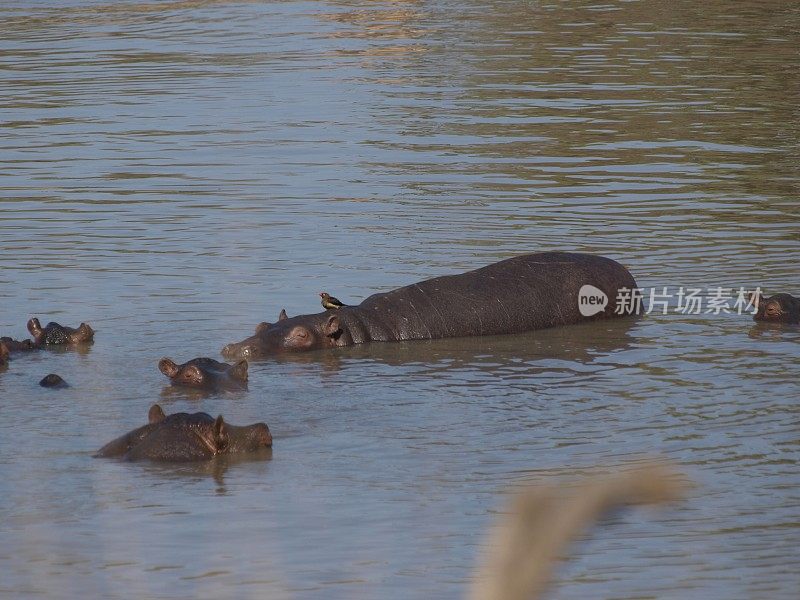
(329, 302)
(524, 293)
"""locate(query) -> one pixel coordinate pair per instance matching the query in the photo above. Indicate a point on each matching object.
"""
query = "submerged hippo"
(17, 346)
(185, 437)
(205, 373)
(528, 292)
(55, 334)
(780, 308)
(53, 380)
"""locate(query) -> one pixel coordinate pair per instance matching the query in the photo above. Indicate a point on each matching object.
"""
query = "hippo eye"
(773, 309)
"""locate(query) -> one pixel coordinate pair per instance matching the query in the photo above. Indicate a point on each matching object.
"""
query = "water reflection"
(580, 343)
(173, 393)
(216, 468)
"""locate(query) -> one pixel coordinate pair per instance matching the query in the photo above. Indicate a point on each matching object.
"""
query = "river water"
(175, 172)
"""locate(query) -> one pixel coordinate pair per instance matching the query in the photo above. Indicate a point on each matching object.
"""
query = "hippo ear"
(332, 327)
(756, 298)
(263, 326)
(167, 367)
(239, 370)
(283, 316)
(155, 415)
(220, 434)
(84, 334)
(34, 327)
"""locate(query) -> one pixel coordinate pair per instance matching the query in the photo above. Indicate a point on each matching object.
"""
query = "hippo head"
(58, 334)
(245, 438)
(203, 372)
(222, 438)
(780, 308)
(53, 380)
(298, 334)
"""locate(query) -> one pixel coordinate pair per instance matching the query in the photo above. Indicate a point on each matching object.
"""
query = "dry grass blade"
(544, 520)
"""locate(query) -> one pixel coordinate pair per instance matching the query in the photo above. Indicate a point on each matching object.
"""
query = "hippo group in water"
(186, 437)
(524, 293)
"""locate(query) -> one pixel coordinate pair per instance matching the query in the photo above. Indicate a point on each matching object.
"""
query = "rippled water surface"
(175, 172)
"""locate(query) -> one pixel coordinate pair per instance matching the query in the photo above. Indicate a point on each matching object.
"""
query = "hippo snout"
(249, 348)
(233, 351)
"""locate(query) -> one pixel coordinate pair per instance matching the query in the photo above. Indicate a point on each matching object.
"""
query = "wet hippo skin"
(525, 293)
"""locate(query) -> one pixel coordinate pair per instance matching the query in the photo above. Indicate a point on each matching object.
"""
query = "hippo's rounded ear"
(283, 316)
(84, 334)
(155, 414)
(332, 328)
(239, 370)
(756, 298)
(220, 434)
(167, 367)
(263, 326)
(34, 327)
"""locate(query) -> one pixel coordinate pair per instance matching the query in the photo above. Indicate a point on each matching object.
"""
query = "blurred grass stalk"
(543, 520)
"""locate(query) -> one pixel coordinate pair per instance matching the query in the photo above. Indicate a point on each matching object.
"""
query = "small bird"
(329, 302)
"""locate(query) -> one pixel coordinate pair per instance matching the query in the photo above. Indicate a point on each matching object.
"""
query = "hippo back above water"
(525, 293)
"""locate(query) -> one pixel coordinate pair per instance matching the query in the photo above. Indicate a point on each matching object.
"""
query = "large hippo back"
(524, 293)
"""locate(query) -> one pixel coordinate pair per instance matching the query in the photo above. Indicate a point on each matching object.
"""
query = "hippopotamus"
(186, 437)
(205, 373)
(17, 346)
(55, 334)
(524, 293)
(780, 308)
(53, 380)
(3, 354)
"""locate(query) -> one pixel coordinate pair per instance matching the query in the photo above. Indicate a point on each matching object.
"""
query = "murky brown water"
(175, 172)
